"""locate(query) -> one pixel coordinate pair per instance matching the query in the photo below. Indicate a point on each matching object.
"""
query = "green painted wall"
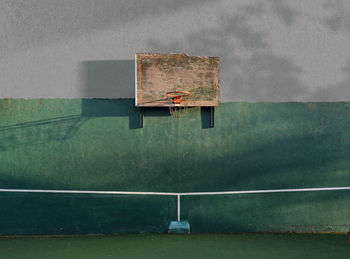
(95, 144)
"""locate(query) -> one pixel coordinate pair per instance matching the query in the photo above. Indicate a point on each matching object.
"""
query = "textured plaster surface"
(268, 50)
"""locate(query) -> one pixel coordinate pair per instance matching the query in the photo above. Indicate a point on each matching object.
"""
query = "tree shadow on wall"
(294, 145)
(73, 19)
(332, 93)
(310, 212)
(39, 131)
(249, 69)
(303, 146)
(84, 214)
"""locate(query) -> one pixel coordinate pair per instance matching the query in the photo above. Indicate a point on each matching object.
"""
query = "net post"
(178, 207)
(179, 227)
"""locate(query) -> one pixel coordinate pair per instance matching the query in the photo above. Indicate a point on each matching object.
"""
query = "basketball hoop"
(178, 102)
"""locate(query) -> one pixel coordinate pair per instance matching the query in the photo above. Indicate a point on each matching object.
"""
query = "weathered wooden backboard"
(157, 74)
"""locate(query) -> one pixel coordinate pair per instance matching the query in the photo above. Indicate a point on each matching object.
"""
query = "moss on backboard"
(158, 74)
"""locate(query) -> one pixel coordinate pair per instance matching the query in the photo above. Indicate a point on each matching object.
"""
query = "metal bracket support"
(141, 117)
(212, 117)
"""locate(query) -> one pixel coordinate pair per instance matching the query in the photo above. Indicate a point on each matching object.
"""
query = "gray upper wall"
(269, 50)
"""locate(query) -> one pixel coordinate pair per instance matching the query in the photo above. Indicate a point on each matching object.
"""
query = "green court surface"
(178, 246)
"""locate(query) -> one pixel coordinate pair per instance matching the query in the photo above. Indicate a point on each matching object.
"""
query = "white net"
(178, 103)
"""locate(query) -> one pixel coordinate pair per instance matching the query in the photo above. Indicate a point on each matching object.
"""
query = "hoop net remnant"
(178, 103)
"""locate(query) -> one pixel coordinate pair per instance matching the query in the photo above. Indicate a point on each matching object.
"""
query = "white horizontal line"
(267, 191)
(177, 194)
(88, 192)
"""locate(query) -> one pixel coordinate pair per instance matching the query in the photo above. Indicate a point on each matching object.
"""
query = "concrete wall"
(85, 144)
(269, 50)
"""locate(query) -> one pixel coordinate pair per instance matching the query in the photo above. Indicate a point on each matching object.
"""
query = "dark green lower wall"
(95, 144)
